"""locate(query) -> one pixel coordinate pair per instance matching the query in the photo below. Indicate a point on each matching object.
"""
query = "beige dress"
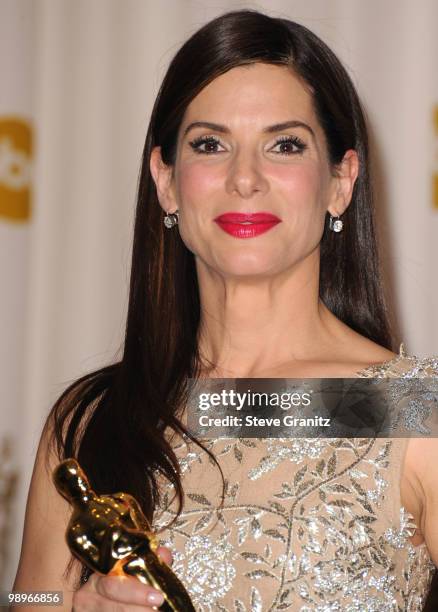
(307, 524)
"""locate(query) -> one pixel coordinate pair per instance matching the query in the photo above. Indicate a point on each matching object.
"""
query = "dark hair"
(112, 420)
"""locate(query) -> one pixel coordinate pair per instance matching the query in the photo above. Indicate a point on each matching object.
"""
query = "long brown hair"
(113, 419)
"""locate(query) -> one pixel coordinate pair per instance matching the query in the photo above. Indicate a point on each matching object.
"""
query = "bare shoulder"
(345, 345)
(369, 357)
(374, 353)
(351, 352)
(44, 552)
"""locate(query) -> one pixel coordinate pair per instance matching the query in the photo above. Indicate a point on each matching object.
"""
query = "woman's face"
(250, 143)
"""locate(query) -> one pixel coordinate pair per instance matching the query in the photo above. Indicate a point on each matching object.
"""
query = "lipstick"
(246, 225)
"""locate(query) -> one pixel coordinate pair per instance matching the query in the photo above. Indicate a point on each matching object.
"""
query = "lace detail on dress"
(306, 525)
(318, 536)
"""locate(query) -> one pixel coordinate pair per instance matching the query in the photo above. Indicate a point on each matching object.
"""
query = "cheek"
(301, 186)
(301, 189)
(196, 183)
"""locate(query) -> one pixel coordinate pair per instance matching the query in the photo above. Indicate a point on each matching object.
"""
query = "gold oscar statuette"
(111, 535)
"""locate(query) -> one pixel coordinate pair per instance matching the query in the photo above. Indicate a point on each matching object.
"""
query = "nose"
(245, 176)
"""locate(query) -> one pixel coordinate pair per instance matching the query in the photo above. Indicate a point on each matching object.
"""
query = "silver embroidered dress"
(307, 524)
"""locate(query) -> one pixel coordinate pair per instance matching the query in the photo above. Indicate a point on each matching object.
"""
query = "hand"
(107, 593)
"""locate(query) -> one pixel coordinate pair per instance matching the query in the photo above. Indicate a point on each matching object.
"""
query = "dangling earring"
(171, 219)
(335, 224)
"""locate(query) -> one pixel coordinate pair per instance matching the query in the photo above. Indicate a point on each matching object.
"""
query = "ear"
(344, 180)
(163, 175)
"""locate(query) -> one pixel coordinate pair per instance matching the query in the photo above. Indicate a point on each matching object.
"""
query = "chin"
(247, 265)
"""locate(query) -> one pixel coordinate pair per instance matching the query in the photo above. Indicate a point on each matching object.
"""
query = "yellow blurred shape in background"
(15, 168)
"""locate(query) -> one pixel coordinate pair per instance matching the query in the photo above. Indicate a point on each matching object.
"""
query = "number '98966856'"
(36, 598)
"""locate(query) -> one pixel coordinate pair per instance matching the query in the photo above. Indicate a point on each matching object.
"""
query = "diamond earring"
(171, 219)
(335, 224)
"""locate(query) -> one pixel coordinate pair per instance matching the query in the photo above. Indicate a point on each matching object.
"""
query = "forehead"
(259, 92)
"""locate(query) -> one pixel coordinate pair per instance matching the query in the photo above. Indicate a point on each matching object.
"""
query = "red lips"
(246, 225)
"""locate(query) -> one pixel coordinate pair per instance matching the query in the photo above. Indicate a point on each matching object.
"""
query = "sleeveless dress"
(306, 525)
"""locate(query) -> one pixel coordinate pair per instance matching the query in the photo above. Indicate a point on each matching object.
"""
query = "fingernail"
(154, 597)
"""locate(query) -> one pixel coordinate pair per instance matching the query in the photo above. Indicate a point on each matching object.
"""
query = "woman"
(265, 266)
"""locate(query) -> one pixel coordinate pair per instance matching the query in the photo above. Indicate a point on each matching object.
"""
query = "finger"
(93, 602)
(128, 590)
(165, 554)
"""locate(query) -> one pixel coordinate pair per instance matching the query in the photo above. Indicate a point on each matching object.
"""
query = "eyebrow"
(270, 129)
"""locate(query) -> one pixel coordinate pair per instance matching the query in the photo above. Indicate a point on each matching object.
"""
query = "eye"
(288, 145)
(206, 145)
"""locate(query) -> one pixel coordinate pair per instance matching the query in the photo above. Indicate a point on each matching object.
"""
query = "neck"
(251, 326)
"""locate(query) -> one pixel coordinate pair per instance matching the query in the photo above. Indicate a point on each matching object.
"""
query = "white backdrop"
(87, 72)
